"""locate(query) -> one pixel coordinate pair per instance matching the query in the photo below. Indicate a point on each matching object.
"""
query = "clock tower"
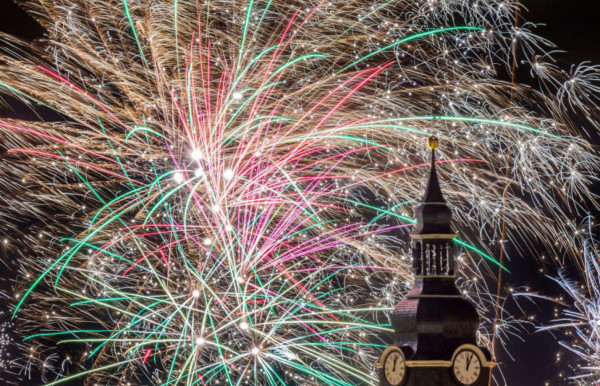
(435, 327)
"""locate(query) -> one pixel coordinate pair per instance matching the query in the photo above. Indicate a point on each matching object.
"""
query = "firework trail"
(577, 313)
(225, 198)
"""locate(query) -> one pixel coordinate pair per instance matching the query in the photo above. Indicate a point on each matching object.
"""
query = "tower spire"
(433, 192)
(435, 327)
(433, 215)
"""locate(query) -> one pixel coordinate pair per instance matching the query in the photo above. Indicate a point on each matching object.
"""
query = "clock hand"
(469, 362)
(394, 368)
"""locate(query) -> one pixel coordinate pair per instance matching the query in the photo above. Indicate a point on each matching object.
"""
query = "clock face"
(466, 367)
(394, 368)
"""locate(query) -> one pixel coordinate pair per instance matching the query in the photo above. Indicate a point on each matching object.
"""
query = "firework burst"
(224, 198)
(577, 313)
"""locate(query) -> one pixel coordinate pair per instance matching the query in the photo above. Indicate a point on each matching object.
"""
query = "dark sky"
(574, 25)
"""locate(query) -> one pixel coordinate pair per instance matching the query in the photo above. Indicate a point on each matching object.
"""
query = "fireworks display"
(577, 314)
(226, 197)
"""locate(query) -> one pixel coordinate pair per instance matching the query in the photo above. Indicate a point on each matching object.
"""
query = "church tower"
(435, 327)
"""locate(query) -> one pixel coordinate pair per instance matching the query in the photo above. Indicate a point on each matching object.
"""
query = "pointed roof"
(433, 215)
(433, 192)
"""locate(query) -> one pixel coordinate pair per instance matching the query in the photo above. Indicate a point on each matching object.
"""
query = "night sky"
(574, 27)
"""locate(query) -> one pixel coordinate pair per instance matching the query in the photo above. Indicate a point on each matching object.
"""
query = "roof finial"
(433, 142)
